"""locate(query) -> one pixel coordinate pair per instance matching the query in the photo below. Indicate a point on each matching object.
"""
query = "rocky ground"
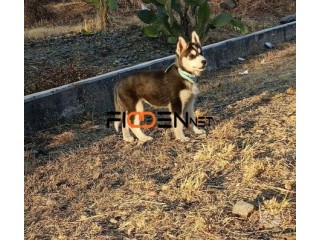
(54, 62)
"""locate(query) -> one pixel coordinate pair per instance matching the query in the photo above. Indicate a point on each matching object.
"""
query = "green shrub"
(173, 18)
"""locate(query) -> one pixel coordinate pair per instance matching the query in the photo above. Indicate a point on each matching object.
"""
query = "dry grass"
(53, 31)
(62, 138)
(72, 17)
(89, 25)
(83, 182)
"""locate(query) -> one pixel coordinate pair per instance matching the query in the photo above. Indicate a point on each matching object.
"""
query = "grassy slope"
(97, 187)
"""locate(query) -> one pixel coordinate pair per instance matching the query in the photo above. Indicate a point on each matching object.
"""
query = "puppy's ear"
(195, 38)
(181, 45)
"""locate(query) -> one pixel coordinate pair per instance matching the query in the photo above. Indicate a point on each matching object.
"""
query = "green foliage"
(173, 18)
(150, 31)
(239, 25)
(202, 19)
(113, 4)
(147, 16)
(221, 20)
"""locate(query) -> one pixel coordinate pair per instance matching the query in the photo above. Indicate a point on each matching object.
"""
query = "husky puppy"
(174, 88)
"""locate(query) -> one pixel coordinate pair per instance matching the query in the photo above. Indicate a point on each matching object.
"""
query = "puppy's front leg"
(178, 129)
(190, 110)
(176, 108)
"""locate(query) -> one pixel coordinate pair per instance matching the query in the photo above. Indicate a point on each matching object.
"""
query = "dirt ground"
(58, 59)
(83, 182)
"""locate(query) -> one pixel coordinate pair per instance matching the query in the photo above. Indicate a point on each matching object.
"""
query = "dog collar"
(188, 76)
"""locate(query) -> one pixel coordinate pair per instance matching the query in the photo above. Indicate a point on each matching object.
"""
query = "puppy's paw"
(146, 138)
(184, 139)
(129, 139)
(199, 131)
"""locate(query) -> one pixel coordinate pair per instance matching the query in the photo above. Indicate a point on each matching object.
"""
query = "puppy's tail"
(118, 106)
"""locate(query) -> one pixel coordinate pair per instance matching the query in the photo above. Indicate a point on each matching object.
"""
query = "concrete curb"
(94, 95)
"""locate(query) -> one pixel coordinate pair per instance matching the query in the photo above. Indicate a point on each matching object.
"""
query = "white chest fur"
(187, 95)
(195, 90)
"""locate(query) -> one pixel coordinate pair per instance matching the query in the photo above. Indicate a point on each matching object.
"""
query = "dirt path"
(83, 182)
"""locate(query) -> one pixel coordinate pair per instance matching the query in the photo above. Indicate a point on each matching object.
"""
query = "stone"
(228, 4)
(165, 188)
(243, 209)
(268, 45)
(114, 221)
(50, 202)
(96, 175)
(116, 62)
(152, 194)
(276, 229)
(291, 91)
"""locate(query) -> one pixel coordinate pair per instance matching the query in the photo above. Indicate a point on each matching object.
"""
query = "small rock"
(276, 229)
(291, 91)
(114, 221)
(243, 209)
(246, 72)
(96, 175)
(228, 4)
(165, 188)
(50, 202)
(287, 19)
(117, 62)
(152, 194)
(268, 45)
(288, 185)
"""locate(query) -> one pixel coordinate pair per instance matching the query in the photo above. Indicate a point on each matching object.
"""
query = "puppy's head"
(189, 56)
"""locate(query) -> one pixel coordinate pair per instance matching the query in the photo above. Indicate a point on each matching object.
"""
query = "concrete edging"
(94, 95)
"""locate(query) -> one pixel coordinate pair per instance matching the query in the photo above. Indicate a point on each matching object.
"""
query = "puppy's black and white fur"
(163, 89)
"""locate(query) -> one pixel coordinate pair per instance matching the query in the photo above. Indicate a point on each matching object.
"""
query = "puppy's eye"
(192, 55)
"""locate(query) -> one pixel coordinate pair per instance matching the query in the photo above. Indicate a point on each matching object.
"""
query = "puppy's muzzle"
(204, 64)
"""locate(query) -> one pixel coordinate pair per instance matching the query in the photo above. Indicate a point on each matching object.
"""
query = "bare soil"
(83, 182)
(55, 61)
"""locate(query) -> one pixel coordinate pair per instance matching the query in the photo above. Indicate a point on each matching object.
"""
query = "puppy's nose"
(204, 62)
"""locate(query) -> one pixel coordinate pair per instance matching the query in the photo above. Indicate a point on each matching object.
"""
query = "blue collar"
(188, 76)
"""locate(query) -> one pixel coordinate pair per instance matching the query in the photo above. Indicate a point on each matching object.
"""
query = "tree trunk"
(103, 15)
